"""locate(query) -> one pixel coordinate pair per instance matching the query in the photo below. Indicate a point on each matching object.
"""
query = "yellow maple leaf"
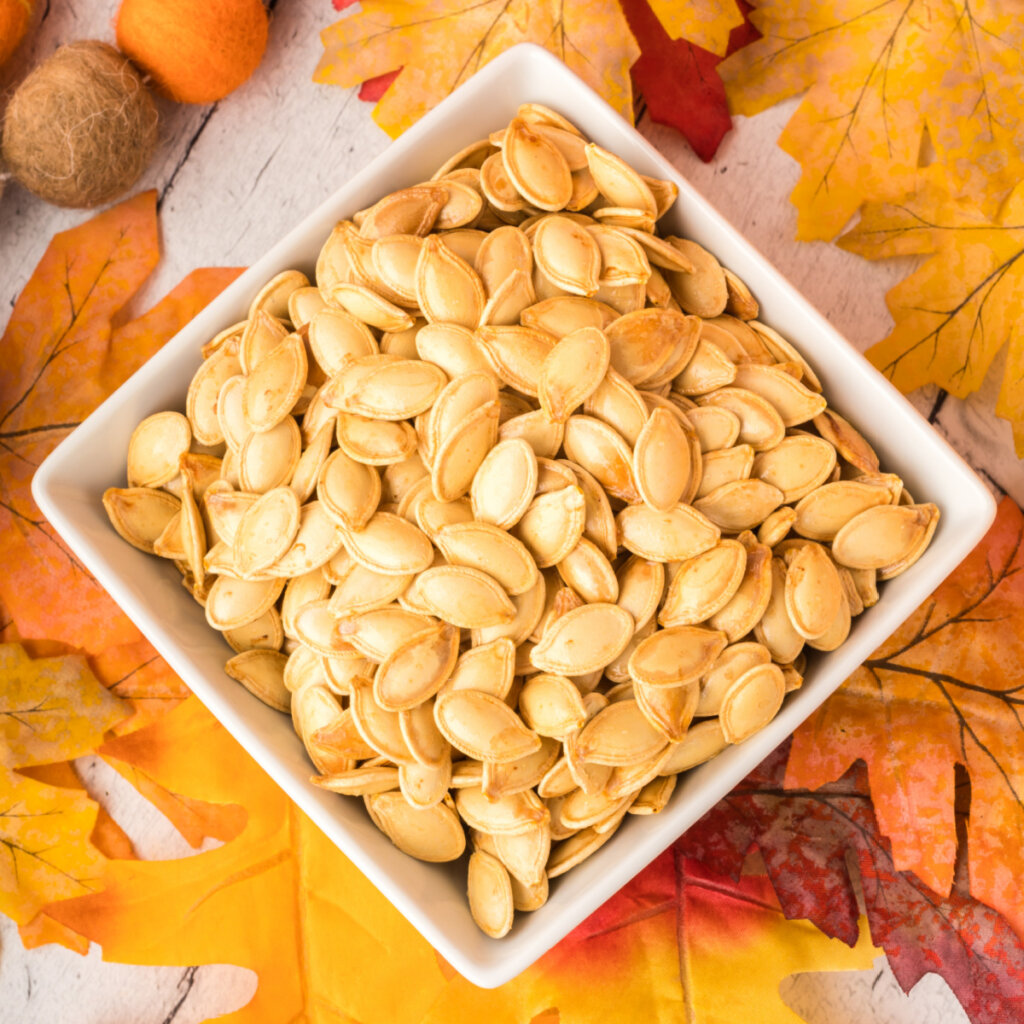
(876, 75)
(706, 23)
(51, 710)
(439, 44)
(282, 900)
(45, 852)
(963, 305)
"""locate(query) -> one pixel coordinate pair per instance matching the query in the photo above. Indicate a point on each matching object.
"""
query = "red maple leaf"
(808, 838)
(679, 80)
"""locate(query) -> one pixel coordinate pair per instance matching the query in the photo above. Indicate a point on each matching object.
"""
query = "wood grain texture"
(233, 177)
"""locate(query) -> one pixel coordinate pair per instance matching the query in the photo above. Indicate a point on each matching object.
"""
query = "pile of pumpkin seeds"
(518, 509)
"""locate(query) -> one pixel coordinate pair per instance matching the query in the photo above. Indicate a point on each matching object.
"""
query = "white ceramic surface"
(69, 485)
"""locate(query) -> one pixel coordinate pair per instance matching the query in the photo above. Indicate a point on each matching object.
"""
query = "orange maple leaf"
(964, 304)
(944, 689)
(439, 44)
(62, 357)
(282, 900)
(875, 76)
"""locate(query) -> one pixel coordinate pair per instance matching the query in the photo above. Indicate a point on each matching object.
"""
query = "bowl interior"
(69, 486)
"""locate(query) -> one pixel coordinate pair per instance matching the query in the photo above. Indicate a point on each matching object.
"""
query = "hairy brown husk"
(80, 130)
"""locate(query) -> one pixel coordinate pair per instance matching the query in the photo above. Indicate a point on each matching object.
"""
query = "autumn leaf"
(63, 356)
(876, 76)
(679, 80)
(439, 44)
(963, 304)
(51, 710)
(808, 839)
(944, 690)
(705, 23)
(282, 900)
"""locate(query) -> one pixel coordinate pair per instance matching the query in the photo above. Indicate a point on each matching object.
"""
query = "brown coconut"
(80, 130)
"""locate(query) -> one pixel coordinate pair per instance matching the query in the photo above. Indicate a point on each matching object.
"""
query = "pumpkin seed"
(504, 483)
(670, 710)
(140, 514)
(447, 288)
(359, 781)
(564, 314)
(266, 530)
(728, 667)
(775, 629)
(264, 633)
(603, 452)
(571, 371)
(395, 390)
(567, 255)
(488, 668)
(747, 605)
(453, 348)
(583, 640)
(156, 446)
(821, 514)
(752, 702)
(319, 539)
(512, 814)
(201, 399)
(423, 739)
(411, 211)
(704, 584)
(813, 591)
(374, 442)
(529, 609)
(350, 491)
(643, 341)
(760, 425)
(483, 726)
(521, 775)
(432, 834)
(261, 335)
(390, 545)
(725, 466)
(793, 402)
(846, 440)
(702, 291)
(465, 597)
(618, 182)
(798, 465)
(463, 451)
(552, 525)
(551, 705)
(673, 536)
(661, 461)
(268, 459)
(675, 656)
(884, 537)
(232, 603)
(491, 549)
(274, 385)
(261, 672)
(589, 573)
(619, 734)
(740, 505)
(536, 166)
(378, 728)
(416, 669)
(542, 435)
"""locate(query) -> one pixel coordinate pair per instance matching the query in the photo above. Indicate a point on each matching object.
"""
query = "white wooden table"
(231, 179)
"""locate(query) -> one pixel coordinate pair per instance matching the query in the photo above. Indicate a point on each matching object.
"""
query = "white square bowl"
(69, 485)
